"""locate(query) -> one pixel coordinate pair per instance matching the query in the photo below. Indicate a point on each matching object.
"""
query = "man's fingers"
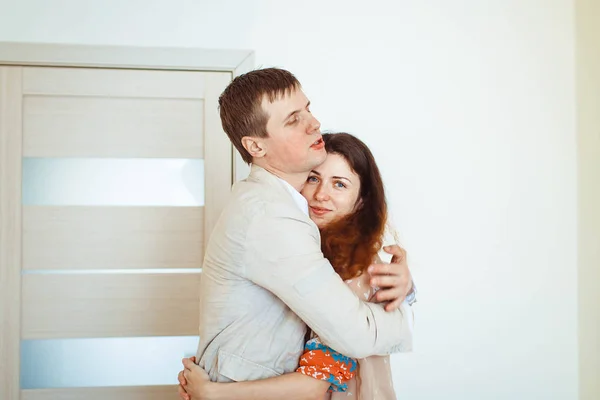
(380, 269)
(384, 281)
(388, 295)
(394, 268)
(397, 252)
(393, 249)
(393, 305)
(391, 296)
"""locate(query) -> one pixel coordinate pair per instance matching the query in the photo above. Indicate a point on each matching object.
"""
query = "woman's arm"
(293, 386)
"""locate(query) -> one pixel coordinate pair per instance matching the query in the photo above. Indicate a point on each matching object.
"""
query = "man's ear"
(254, 146)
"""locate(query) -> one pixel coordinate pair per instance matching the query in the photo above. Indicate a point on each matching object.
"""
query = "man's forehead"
(290, 99)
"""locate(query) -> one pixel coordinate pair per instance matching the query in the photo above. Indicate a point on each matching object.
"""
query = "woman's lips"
(319, 210)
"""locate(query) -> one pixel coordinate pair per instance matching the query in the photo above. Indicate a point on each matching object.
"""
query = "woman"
(347, 202)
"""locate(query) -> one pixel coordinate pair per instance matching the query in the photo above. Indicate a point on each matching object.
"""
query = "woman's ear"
(254, 146)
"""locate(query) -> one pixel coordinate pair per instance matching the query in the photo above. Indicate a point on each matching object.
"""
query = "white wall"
(469, 107)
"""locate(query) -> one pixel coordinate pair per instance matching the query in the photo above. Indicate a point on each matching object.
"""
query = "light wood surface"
(218, 162)
(96, 237)
(10, 230)
(109, 305)
(75, 112)
(130, 57)
(165, 392)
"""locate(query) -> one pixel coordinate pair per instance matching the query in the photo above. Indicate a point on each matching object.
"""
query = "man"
(264, 275)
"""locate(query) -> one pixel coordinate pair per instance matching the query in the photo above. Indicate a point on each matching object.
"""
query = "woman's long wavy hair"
(352, 242)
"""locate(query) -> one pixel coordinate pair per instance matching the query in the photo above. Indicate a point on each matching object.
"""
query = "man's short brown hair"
(240, 104)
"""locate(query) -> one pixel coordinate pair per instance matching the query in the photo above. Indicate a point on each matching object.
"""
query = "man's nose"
(313, 125)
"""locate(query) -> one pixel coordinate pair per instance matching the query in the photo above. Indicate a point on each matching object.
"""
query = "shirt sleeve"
(411, 298)
(323, 363)
(284, 256)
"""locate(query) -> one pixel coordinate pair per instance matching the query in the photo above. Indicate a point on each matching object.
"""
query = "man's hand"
(394, 279)
(193, 381)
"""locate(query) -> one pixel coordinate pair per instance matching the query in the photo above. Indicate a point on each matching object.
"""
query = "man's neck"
(296, 180)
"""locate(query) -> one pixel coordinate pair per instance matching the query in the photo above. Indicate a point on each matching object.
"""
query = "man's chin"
(320, 159)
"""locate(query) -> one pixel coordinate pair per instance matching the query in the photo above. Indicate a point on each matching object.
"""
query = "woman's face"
(331, 190)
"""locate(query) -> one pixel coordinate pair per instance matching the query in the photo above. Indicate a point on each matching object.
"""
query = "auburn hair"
(352, 242)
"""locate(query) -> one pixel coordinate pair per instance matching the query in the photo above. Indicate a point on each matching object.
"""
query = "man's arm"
(284, 257)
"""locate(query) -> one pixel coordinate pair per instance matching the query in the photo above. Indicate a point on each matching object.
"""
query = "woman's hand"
(194, 382)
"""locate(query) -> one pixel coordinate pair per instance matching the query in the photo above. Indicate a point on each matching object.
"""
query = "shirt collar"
(298, 198)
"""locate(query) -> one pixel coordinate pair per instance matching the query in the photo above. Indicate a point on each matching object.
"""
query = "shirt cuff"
(411, 297)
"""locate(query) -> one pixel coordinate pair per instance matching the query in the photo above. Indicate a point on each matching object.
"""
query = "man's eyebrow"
(296, 111)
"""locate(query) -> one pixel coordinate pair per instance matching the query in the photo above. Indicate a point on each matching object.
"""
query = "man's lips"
(318, 144)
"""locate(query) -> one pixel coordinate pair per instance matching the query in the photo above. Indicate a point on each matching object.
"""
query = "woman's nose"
(321, 194)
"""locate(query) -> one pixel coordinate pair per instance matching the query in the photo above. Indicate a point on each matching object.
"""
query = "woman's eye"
(340, 185)
(312, 179)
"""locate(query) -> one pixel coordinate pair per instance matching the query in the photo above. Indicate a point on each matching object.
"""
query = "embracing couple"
(295, 302)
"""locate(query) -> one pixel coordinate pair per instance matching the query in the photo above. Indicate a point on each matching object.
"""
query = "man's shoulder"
(262, 198)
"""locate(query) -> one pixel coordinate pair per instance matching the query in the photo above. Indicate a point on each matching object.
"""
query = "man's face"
(294, 144)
